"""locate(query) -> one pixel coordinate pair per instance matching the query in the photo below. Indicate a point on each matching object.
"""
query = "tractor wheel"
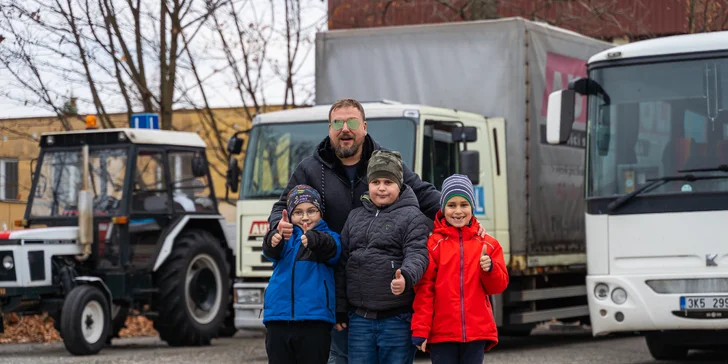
(85, 320)
(228, 326)
(118, 320)
(193, 290)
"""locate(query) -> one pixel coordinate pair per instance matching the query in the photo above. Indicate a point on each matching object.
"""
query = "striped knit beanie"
(300, 194)
(457, 185)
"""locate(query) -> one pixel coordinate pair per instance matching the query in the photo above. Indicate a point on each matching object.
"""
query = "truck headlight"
(619, 296)
(8, 262)
(249, 296)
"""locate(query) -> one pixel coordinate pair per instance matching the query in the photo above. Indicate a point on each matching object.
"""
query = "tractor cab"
(120, 220)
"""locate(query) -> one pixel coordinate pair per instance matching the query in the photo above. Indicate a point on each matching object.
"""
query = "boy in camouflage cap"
(384, 254)
(385, 164)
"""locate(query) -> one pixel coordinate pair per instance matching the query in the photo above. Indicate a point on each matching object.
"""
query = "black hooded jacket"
(324, 172)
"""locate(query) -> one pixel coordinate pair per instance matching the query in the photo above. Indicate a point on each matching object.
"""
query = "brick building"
(610, 20)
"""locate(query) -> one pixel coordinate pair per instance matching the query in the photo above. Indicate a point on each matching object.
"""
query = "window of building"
(8, 179)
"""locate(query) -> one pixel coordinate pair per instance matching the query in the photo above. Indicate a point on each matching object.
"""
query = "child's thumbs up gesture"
(485, 262)
(304, 239)
(398, 283)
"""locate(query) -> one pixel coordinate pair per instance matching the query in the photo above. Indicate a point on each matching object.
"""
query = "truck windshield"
(274, 151)
(658, 119)
(59, 179)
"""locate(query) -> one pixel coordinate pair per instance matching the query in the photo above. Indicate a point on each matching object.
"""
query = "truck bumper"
(646, 309)
(249, 305)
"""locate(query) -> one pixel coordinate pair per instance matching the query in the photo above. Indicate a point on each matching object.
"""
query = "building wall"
(19, 141)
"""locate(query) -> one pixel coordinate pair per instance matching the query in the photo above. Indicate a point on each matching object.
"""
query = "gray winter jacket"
(375, 243)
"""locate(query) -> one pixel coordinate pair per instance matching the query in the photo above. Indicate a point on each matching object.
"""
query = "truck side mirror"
(232, 178)
(235, 145)
(470, 165)
(199, 167)
(560, 116)
(465, 134)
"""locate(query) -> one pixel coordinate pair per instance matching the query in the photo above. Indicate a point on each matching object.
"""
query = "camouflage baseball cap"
(385, 164)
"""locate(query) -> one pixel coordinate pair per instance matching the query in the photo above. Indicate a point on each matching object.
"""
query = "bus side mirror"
(560, 116)
(470, 165)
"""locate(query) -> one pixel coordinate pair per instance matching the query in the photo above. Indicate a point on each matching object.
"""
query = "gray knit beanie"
(385, 164)
(457, 185)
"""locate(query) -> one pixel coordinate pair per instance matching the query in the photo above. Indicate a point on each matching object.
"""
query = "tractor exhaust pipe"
(85, 210)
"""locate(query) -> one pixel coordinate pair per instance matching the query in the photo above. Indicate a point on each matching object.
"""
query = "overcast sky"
(223, 94)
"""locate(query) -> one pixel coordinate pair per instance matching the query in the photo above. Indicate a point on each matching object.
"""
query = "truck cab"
(434, 143)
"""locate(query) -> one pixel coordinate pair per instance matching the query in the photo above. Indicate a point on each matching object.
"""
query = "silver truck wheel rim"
(92, 322)
(203, 289)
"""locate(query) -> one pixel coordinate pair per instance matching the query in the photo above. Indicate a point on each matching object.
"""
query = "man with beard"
(338, 170)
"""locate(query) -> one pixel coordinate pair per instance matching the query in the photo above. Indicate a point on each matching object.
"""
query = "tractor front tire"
(193, 290)
(85, 322)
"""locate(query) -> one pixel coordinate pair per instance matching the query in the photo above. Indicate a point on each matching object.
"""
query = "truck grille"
(7, 275)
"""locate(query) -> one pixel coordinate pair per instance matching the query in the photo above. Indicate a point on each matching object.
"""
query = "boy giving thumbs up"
(300, 301)
(463, 268)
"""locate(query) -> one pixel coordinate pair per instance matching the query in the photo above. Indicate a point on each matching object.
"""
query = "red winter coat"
(451, 300)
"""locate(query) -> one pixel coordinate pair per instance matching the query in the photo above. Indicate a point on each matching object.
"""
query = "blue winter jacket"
(302, 284)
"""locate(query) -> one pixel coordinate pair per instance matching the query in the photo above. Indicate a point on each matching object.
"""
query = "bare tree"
(706, 15)
(129, 56)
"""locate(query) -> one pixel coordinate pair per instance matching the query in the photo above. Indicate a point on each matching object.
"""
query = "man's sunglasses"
(352, 123)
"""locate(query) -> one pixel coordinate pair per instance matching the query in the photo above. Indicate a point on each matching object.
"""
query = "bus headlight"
(601, 291)
(619, 296)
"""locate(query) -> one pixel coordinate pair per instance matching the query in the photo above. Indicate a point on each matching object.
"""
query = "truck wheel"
(118, 320)
(661, 350)
(85, 320)
(193, 290)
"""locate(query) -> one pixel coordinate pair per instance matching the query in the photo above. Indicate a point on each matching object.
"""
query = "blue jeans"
(383, 341)
(339, 346)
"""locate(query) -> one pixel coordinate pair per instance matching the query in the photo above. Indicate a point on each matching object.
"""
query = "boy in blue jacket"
(300, 301)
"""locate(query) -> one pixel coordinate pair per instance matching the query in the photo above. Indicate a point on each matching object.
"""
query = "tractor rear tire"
(194, 290)
(85, 320)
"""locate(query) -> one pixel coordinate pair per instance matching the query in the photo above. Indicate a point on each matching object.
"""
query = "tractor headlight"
(8, 262)
(249, 296)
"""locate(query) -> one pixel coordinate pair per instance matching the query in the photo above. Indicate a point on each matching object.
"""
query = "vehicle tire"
(85, 320)
(663, 351)
(228, 326)
(193, 290)
(118, 320)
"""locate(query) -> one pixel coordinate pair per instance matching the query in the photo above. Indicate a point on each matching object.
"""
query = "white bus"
(656, 189)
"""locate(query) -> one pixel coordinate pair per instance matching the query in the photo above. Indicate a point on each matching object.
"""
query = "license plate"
(704, 303)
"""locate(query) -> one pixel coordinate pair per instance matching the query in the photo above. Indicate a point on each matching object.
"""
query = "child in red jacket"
(453, 318)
